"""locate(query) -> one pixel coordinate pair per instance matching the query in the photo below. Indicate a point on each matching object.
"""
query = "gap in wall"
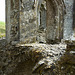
(2, 19)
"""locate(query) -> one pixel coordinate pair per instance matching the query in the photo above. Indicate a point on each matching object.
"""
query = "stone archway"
(55, 17)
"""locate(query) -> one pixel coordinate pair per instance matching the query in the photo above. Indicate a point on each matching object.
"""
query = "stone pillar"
(8, 26)
(28, 21)
(12, 20)
(68, 20)
(21, 20)
(51, 13)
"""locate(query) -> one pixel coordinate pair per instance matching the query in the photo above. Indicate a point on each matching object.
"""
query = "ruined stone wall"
(21, 20)
(30, 21)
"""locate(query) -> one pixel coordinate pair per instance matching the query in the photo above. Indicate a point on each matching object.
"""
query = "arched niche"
(55, 13)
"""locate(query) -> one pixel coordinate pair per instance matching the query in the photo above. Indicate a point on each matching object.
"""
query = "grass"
(2, 29)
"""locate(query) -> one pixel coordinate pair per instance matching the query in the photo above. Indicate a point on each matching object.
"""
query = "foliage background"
(2, 29)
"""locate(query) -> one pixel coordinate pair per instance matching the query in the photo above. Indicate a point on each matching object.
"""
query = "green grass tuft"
(2, 29)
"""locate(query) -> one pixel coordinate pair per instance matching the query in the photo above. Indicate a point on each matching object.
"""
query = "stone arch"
(54, 12)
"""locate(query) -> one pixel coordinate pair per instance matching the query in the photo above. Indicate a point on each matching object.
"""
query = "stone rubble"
(44, 56)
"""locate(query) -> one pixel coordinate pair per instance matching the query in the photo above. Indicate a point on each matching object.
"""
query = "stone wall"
(21, 20)
(8, 26)
(68, 20)
(28, 21)
(32, 21)
(12, 20)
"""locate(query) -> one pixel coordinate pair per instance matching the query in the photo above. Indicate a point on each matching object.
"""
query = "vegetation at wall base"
(2, 29)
